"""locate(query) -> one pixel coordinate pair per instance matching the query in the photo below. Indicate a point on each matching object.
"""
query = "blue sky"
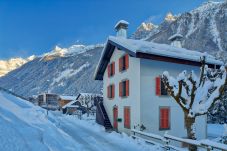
(35, 26)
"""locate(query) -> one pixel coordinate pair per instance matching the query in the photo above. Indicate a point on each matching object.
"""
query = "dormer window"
(124, 63)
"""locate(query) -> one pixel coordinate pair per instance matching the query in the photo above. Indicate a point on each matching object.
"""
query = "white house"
(133, 94)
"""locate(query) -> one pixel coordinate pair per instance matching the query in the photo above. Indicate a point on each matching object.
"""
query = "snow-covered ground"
(25, 127)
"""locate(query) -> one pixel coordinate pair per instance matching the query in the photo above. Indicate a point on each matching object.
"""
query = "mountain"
(203, 29)
(143, 30)
(11, 64)
(70, 70)
(64, 70)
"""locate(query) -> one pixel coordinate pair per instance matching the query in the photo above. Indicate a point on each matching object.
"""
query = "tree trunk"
(189, 124)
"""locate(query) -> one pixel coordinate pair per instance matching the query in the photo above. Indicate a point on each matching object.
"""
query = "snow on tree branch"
(196, 95)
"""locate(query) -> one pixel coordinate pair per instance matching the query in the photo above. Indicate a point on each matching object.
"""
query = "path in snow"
(93, 137)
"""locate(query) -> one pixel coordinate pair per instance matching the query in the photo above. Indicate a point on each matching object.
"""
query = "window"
(164, 116)
(127, 117)
(160, 87)
(110, 91)
(111, 69)
(124, 88)
(124, 63)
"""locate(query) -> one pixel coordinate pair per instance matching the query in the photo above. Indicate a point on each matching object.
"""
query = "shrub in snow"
(196, 95)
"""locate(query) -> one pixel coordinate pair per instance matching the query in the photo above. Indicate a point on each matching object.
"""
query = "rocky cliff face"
(203, 29)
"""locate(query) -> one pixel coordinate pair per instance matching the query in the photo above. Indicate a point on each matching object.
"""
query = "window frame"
(111, 89)
(124, 88)
(122, 61)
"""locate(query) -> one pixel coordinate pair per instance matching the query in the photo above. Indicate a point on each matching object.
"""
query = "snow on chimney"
(176, 40)
(121, 28)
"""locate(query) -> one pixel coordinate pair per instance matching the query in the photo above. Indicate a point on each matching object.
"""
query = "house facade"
(133, 94)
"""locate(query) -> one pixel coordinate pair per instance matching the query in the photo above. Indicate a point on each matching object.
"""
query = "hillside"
(64, 71)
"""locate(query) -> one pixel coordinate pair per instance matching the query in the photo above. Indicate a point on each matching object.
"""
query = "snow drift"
(26, 127)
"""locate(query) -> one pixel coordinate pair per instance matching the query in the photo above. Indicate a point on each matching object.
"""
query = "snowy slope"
(67, 71)
(13, 63)
(24, 126)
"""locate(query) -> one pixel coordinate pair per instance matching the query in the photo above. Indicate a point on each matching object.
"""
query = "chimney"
(121, 28)
(176, 40)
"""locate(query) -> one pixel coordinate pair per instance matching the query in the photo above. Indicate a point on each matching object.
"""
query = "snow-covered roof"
(121, 22)
(88, 94)
(65, 97)
(134, 47)
(70, 104)
(175, 36)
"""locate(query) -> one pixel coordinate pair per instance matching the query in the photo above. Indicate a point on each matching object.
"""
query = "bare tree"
(196, 95)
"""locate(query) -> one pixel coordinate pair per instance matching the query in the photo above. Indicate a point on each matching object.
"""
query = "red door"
(115, 116)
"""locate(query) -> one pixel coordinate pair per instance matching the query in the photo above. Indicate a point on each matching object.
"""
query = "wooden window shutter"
(127, 88)
(108, 68)
(127, 117)
(120, 64)
(158, 86)
(126, 61)
(164, 118)
(120, 89)
(113, 91)
(113, 68)
(108, 91)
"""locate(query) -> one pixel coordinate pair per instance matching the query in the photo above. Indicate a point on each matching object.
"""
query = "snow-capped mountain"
(70, 70)
(143, 30)
(13, 63)
(63, 71)
(203, 29)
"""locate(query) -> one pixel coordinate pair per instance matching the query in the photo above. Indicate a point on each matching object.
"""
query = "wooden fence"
(166, 139)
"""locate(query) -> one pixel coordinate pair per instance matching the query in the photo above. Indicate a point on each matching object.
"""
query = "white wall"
(150, 103)
(143, 102)
(133, 100)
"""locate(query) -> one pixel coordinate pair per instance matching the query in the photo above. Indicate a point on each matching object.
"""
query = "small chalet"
(133, 94)
(72, 107)
(83, 102)
(63, 100)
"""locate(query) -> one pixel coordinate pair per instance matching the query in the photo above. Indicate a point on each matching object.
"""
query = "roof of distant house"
(65, 97)
(141, 49)
(88, 94)
(70, 104)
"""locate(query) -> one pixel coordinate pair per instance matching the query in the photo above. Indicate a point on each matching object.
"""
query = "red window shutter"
(126, 117)
(127, 88)
(164, 118)
(126, 61)
(113, 68)
(120, 64)
(120, 89)
(108, 91)
(113, 90)
(108, 70)
(158, 86)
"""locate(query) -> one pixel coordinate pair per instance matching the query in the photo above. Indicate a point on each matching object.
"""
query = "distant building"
(86, 102)
(48, 101)
(63, 100)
